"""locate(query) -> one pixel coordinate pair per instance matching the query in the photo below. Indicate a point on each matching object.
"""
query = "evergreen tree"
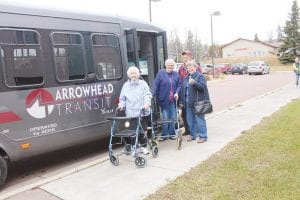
(279, 33)
(291, 36)
(190, 40)
(256, 38)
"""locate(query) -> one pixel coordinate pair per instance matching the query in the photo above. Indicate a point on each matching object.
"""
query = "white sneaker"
(145, 150)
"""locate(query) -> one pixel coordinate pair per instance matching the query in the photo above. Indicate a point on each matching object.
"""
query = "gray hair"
(170, 61)
(131, 69)
(191, 63)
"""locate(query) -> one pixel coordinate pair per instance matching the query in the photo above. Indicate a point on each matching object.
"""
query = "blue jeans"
(197, 124)
(168, 113)
(297, 79)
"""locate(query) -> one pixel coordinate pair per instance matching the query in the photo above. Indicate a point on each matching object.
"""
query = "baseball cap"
(187, 52)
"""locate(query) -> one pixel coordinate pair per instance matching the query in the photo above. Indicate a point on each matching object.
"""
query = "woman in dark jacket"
(192, 90)
(166, 88)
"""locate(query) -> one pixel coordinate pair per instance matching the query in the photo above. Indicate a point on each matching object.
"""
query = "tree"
(291, 36)
(279, 33)
(190, 41)
(271, 37)
(175, 46)
(256, 38)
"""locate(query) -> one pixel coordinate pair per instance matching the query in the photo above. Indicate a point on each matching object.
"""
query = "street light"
(216, 13)
(150, 8)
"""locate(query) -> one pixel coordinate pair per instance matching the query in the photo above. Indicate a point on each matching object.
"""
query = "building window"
(69, 57)
(107, 56)
(21, 57)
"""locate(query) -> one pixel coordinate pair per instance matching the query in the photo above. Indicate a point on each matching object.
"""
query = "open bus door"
(147, 51)
(162, 51)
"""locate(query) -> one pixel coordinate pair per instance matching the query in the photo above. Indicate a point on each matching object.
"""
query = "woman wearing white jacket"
(135, 96)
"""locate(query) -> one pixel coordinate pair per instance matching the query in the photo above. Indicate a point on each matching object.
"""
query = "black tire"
(114, 159)
(3, 171)
(140, 161)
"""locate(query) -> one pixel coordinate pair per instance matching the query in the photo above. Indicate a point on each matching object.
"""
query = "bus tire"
(3, 171)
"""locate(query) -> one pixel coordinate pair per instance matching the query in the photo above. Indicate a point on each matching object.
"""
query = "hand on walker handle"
(176, 96)
(146, 106)
(119, 108)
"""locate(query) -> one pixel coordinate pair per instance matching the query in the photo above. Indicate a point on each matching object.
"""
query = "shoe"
(190, 139)
(201, 140)
(145, 150)
(162, 139)
(172, 138)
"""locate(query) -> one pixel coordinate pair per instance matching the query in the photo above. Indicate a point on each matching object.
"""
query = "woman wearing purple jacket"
(165, 90)
(194, 88)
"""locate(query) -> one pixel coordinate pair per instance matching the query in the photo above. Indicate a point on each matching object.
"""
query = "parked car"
(240, 68)
(207, 69)
(224, 68)
(258, 67)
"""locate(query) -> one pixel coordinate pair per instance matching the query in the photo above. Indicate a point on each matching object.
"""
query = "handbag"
(203, 107)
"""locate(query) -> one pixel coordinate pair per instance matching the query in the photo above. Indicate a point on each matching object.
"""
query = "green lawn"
(264, 163)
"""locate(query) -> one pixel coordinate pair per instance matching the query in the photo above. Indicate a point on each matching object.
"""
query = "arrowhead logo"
(39, 103)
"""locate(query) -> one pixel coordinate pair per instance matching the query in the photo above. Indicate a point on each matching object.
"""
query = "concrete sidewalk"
(104, 181)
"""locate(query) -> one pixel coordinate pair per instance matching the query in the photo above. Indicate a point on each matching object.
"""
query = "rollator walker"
(157, 122)
(128, 131)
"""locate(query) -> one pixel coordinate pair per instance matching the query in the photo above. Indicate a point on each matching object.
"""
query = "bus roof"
(127, 23)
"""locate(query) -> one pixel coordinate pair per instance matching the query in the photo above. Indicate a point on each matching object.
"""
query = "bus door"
(147, 51)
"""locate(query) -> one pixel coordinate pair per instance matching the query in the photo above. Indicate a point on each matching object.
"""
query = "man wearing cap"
(183, 72)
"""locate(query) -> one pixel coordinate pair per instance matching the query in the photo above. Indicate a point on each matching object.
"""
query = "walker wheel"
(127, 149)
(140, 161)
(154, 151)
(114, 159)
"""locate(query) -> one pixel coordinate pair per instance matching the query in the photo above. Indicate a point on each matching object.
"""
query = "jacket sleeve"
(200, 84)
(156, 85)
(179, 85)
(122, 98)
(147, 94)
(295, 67)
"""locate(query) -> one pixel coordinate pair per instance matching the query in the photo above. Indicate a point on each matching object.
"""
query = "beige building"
(249, 48)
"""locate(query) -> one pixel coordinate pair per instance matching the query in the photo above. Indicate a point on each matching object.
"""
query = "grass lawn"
(264, 163)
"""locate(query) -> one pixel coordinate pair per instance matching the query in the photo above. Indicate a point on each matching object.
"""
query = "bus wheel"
(3, 170)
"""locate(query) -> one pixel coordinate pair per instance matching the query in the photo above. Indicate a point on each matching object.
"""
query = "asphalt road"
(231, 91)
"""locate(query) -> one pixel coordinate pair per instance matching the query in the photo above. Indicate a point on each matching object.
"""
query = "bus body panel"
(55, 114)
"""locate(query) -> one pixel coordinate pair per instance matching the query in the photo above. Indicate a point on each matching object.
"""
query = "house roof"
(264, 43)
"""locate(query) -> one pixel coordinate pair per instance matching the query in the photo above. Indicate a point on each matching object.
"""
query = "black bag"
(203, 107)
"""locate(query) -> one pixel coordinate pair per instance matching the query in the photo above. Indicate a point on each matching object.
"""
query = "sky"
(238, 19)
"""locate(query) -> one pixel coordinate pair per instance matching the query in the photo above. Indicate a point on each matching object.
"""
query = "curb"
(53, 178)
(101, 160)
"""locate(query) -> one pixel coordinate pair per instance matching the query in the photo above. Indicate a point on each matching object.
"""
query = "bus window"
(21, 57)
(69, 56)
(107, 57)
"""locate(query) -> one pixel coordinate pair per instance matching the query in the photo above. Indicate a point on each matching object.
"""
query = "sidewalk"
(104, 181)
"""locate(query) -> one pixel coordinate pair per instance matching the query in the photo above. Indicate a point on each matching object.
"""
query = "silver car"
(258, 67)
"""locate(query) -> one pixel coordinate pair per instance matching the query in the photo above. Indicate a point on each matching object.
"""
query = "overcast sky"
(238, 19)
